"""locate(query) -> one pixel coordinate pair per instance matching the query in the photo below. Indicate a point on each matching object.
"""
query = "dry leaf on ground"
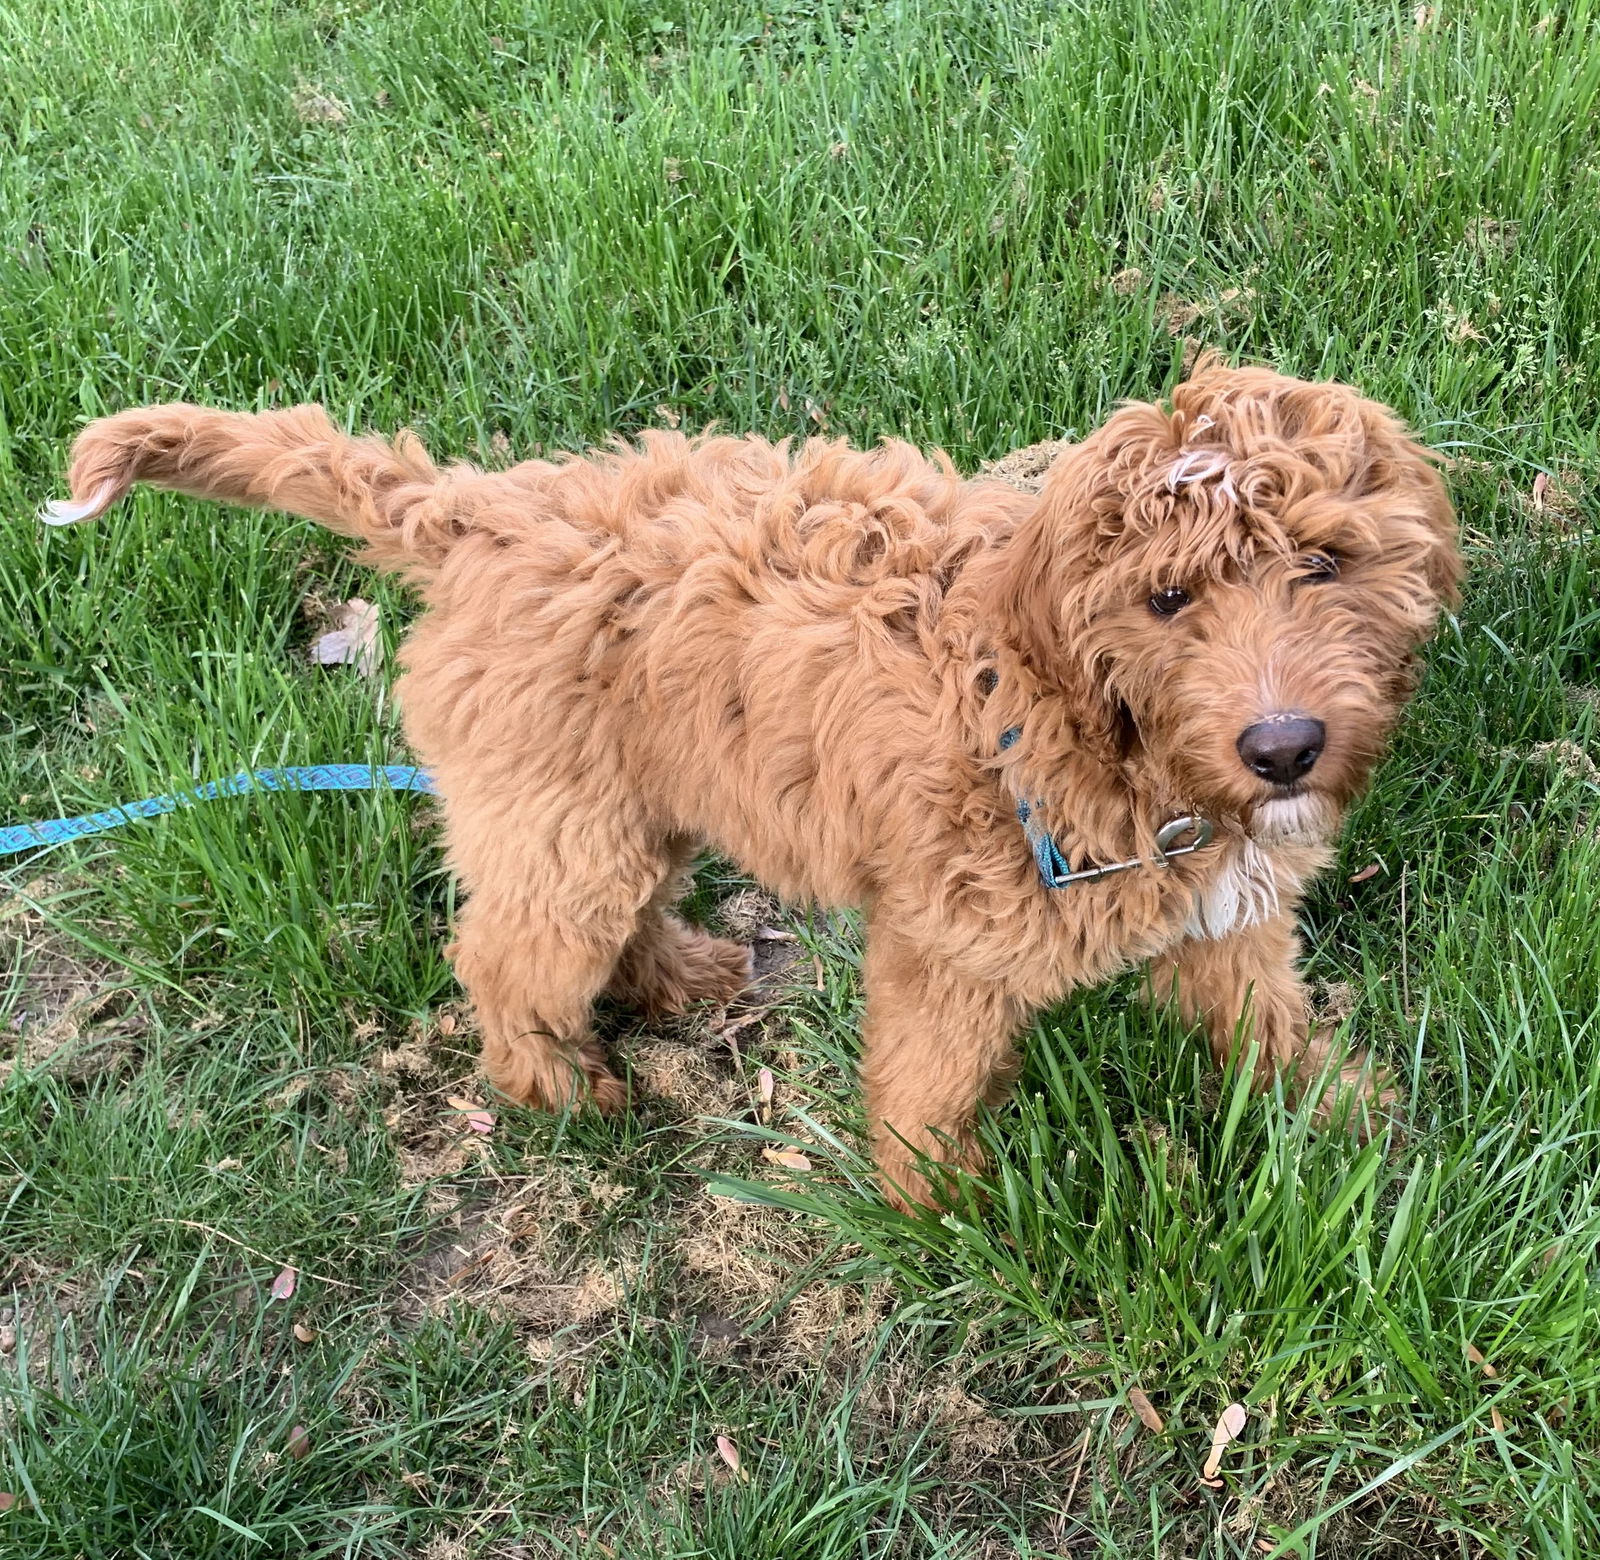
(299, 1443)
(728, 1452)
(477, 1118)
(1145, 1409)
(303, 1333)
(353, 640)
(283, 1284)
(790, 1159)
(1228, 1429)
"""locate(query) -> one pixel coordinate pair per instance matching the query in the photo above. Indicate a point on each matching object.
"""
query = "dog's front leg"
(934, 1045)
(1244, 988)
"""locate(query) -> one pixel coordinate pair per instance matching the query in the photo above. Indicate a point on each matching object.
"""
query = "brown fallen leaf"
(1371, 870)
(353, 640)
(298, 1445)
(7, 1500)
(303, 1333)
(728, 1452)
(471, 1265)
(1476, 1357)
(1498, 1423)
(789, 1158)
(477, 1118)
(283, 1284)
(766, 1087)
(1540, 484)
(1228, 1428)
(1145, 1409)
(8, 1339)
(447, 1023)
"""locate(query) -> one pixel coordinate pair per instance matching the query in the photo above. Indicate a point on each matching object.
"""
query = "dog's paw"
(546, 1079)
(1360, 1099)
(606, 1091)
(912, 1183)
(700, 968)
(723, 971)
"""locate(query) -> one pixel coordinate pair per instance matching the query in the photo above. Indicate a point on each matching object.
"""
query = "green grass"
(975, 225)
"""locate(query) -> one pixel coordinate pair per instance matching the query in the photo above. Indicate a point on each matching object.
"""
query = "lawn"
(231, 1043)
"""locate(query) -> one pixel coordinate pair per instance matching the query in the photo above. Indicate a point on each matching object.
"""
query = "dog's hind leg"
(668, 965)
(549, 911)
(1244, 988)
(933, 1047)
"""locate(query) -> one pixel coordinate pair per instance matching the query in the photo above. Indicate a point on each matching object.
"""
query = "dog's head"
(1234, 591)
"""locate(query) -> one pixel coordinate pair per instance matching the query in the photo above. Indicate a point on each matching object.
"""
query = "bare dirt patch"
(570, 1246)
(65, 1008)
(1026, 469)
(1567, 758)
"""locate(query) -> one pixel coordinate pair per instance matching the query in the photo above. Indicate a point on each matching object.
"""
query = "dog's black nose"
(1282, 748)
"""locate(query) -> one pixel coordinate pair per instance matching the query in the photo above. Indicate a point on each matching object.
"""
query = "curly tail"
(390, 496)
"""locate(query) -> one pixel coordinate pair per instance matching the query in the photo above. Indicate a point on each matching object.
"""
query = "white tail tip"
(66, 512)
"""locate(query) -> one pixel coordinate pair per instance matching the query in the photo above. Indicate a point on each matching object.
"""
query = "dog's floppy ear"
(1057, 580)
(1442, 565)
(1402, 479)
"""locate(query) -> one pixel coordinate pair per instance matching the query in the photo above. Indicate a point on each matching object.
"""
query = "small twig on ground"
(728, 1031)
(1077, 1472)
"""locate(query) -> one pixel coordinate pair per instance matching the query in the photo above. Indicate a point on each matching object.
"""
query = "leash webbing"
(313, 777)
(1053, 866)
(1055, 871)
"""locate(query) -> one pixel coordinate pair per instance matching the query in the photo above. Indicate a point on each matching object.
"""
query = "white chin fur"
(1244, 893)
(61, 511)
(1290, 818)
(1247, 890)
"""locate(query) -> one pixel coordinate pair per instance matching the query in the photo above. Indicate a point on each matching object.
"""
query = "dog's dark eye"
(1319, 566)
(1166, 602)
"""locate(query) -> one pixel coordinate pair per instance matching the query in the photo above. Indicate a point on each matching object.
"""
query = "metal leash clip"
(1167, 838)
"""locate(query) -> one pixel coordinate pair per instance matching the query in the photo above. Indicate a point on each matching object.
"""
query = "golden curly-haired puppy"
(871, 682)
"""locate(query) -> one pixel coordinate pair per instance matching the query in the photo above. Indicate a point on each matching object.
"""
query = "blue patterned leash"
(314, 777)
(1181, 837)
